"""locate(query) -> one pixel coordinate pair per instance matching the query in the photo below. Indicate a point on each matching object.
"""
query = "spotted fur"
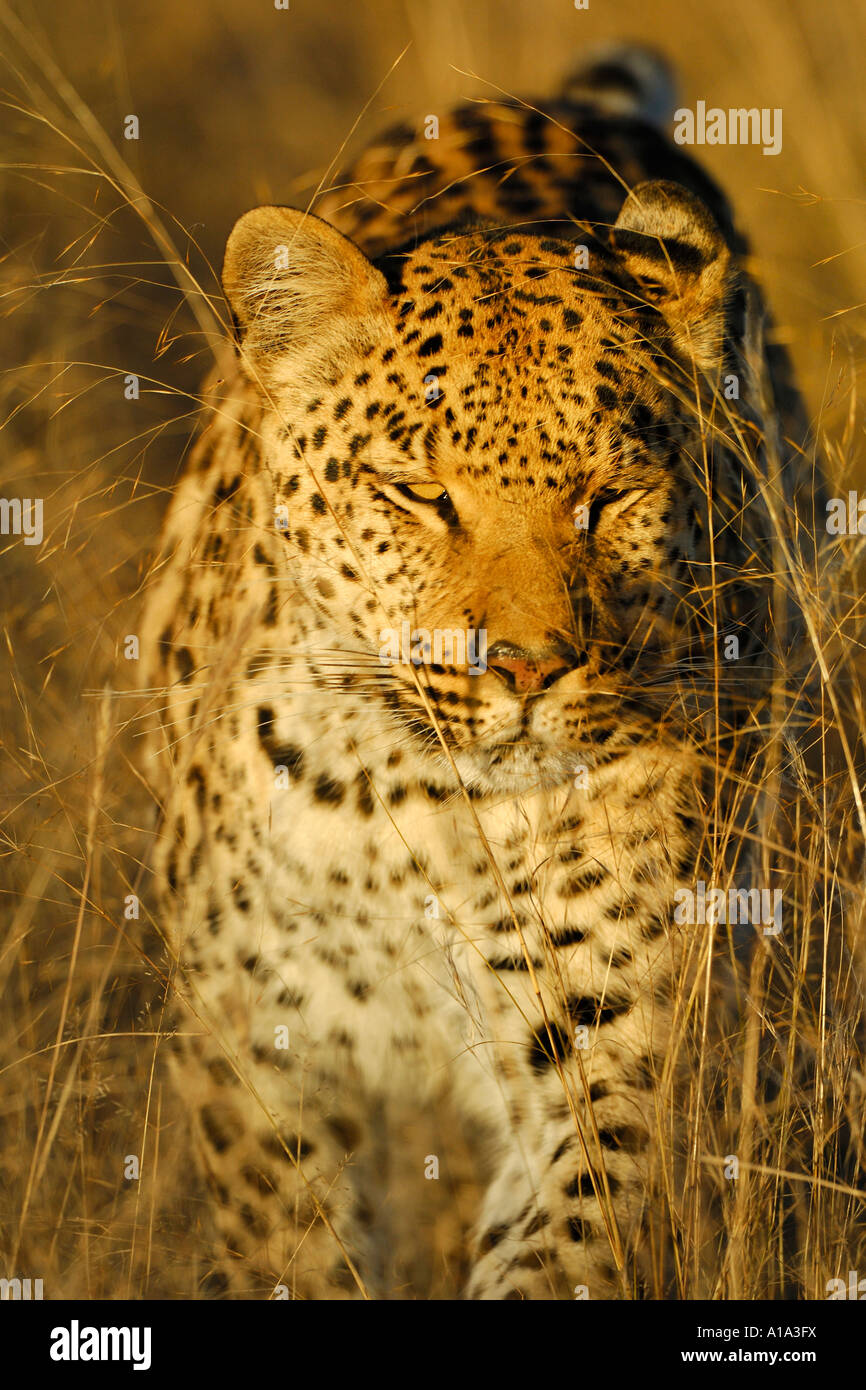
(440, 882)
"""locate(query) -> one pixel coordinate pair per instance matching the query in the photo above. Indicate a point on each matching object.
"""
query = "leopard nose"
(526, 672)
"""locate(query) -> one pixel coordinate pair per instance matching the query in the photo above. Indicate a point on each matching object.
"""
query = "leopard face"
(490, 473)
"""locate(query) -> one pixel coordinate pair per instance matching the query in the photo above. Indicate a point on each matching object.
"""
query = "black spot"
(538, 1222)
(581, 1186)
(356, 444)
(682, 255)
(290, 999)
(626, 1137)
(345, 1131)
(288, 755)
(584, 882)
(223, 491)
(540, 1055)
(431, 346)
(584, 1010)
(491, 1238)
(364, 795)
(329, 790)
(239, 894)
(215, 1284)
(221, 1126)
(195, 778)
(654, 927)
(298, 1148)
(621, 956)
(255, 1223)
(260, 1179)
(568, 936)
(605, 369)
(220, 1071)
(434, 793)
(512, 963)
(578, 1229)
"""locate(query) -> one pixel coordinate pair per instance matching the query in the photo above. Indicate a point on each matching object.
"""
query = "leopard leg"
(283, 1158)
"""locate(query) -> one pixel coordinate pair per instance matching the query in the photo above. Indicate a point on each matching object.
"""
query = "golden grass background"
(110, 255)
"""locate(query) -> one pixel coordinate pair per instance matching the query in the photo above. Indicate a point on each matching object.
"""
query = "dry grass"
(107, 269)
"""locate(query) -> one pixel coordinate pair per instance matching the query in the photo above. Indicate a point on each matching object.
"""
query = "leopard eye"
(423, 492)
(607, 497)
(604, 499)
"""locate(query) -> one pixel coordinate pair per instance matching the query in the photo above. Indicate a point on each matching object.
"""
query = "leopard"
(434, 631)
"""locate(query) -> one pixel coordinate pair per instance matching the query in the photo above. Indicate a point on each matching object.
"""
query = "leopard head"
(497, 471)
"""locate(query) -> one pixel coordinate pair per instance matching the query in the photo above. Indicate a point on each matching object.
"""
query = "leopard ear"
(304, 297)
(673, 247)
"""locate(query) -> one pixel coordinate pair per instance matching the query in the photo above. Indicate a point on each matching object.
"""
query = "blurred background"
(109, 257)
